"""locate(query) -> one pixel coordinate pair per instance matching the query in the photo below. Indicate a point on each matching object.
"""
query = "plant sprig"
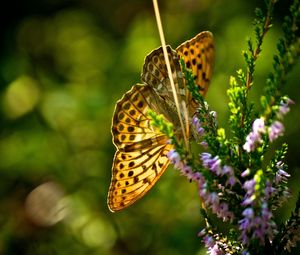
(234, 181)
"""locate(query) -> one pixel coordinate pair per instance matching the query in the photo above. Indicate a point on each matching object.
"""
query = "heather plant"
(236, 182)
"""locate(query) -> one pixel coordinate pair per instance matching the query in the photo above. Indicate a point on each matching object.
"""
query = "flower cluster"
(214, 165)
(211, 199)
(277, 189)
(281, 175)
(198, 126)
(257, 224)
(185, 170)
(210, 243)
(275, 130)
(215, 250)
(200, 131)
(257, 218)
(284, 108)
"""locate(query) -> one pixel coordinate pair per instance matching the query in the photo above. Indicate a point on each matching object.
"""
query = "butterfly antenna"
(163, 44)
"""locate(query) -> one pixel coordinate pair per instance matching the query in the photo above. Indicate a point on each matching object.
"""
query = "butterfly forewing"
(141, 153)
(199, 54)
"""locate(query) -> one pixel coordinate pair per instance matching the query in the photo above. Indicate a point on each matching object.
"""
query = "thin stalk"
(163, 44)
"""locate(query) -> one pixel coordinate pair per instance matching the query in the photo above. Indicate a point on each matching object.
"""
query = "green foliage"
(204, 113)
(289, 232)
(288, 51)
(159, 121)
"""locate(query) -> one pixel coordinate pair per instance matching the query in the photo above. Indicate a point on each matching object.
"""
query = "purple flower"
(196, 121)
(215, 250)
(227, 170)
(214, 164)
(174, 157)
(248, 213)
(254, 137)
(197, 124)
(198, 177)
(245, 224)
(232, 180)
(245, 173)
(213, 199)
(265, 213)
(224, 213)
(281, 176)
(203, 192)
(269, 190)
(205, 157)
(188, 172)
(258, 126)
(204, 144)
(283, 110)
(251, 140)
(249, 198)
(214, 114)
(275, 130)
(249, 186)
(185, 170)
(284, 107)
(208, 241)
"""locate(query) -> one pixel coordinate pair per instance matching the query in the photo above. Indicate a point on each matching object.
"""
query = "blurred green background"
(63, 66)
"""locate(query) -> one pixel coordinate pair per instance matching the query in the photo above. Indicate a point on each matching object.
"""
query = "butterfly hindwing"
(135, 173)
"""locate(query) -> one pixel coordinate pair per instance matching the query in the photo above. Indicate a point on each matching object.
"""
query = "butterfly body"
(141, 156)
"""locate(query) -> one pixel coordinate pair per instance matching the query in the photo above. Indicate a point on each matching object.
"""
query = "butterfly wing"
(199, 54)
(141, 156)
(155, 74)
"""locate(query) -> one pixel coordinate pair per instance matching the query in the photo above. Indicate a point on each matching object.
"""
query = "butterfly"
(141, 155)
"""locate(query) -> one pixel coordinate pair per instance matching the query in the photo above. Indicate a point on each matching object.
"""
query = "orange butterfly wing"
(141, 156)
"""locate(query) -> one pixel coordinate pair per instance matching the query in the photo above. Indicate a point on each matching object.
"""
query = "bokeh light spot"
(99, 233)
(45, 205)
(21, 96)
(60, 109)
